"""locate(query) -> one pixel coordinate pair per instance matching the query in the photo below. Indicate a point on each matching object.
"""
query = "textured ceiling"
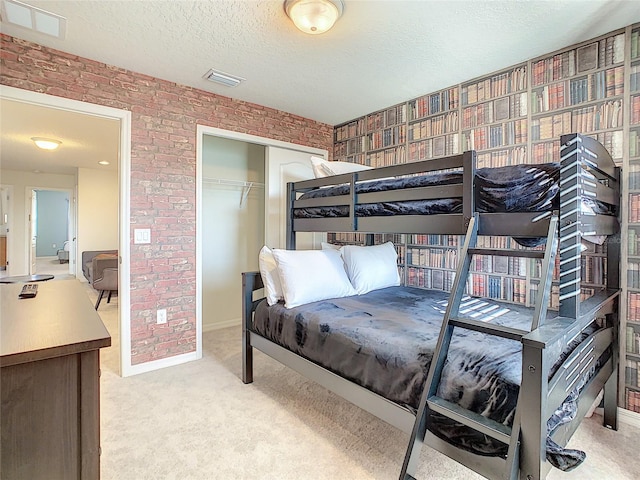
(378, 54)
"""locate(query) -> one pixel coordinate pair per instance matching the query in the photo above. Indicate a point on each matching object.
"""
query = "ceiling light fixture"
(314, 16)
(223, 78)
(103, 162)
(46, 143)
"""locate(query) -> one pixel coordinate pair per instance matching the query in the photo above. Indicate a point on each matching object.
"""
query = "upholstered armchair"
(63, 253)
(101, 270)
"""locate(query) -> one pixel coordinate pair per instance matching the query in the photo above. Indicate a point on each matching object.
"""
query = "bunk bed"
(564, 358)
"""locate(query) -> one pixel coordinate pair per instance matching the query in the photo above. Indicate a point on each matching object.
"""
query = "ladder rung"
(489, 328)
(504, 252)
(471, 419)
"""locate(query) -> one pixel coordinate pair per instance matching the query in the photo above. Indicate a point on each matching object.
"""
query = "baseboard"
(624, 416)
(158, 364)
(628, 417)
(234, 322)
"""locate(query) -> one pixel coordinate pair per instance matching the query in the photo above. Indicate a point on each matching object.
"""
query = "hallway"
(49, 265)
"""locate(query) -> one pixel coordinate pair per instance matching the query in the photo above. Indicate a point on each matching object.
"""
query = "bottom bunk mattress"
(384, 341)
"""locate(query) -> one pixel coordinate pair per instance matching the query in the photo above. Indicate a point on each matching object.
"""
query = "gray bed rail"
(454, 223)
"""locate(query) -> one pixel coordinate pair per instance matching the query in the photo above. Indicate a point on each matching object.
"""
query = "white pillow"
(269, 274)
(316, 165)
(371, 268)
(311, 275)
(323, 168)
(330, 246)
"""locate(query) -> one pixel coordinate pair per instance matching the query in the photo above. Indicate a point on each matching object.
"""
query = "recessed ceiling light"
(223, 78)
(46, 143)
(33, 18)
(103, 162)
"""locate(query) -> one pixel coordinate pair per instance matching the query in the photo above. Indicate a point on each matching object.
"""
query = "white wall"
(232, 235)
(97, 212)
(17, 255)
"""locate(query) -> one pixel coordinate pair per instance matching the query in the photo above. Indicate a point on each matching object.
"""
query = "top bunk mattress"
(516, 188)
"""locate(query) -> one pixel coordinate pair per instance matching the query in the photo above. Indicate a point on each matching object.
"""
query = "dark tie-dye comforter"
(517, 188)
(514, 188)
(384, 341)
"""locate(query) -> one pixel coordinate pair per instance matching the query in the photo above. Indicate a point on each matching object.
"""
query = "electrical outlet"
(53, 245)
(162, 316)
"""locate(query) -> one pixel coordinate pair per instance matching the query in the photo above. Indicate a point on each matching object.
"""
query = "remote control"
(29, 290)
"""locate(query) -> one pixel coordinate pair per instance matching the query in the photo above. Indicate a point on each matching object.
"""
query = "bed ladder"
(429, 400)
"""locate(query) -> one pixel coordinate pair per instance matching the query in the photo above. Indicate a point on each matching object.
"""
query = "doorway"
(52, 227)
(28, 98)
(233, 199)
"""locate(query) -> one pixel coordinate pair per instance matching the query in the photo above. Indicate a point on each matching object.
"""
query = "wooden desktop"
(50, 388)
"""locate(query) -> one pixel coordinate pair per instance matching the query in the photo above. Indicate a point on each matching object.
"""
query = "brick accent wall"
(163, 166)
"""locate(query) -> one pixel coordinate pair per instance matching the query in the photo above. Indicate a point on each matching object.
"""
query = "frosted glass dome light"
(314, 16)
(46, 143)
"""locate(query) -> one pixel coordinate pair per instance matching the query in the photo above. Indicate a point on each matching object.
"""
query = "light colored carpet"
(199, 421)
(48, 265)
(52, 265)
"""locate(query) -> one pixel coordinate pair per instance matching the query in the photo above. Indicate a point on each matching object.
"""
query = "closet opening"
(232, 224)
(241, 182)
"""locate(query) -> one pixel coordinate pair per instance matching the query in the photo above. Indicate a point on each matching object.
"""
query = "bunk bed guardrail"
(450, 223)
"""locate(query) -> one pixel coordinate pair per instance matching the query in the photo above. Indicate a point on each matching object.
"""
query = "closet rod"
(232, 183)
(246, 186)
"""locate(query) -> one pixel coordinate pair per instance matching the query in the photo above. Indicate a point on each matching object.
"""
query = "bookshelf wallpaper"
(516, 116)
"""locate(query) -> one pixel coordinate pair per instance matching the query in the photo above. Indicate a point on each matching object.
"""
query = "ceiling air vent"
(33, 18)
(223, 78)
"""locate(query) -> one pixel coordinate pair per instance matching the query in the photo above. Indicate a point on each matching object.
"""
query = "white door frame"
(71, 230)
(8, 211)
(124, 168)
(32, 229)
(201, 131)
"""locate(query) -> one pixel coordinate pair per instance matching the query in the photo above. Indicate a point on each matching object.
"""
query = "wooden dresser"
(50, 388)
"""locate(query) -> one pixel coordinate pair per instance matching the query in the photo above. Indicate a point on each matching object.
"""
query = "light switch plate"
(141, 235)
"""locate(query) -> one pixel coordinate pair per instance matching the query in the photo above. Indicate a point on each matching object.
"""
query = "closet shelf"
(244, 185)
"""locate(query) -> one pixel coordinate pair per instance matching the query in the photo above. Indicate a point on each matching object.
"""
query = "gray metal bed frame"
(586, 169)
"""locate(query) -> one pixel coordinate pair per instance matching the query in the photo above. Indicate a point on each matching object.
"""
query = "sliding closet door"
(282, 166)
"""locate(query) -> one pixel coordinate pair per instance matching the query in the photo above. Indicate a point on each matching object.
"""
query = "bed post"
(614, 247)
(369, 239)
(531, 401)
(571, 150)
(610, 419)
(290, 234)
(468, 179)
(613, 282)
(250, 281)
